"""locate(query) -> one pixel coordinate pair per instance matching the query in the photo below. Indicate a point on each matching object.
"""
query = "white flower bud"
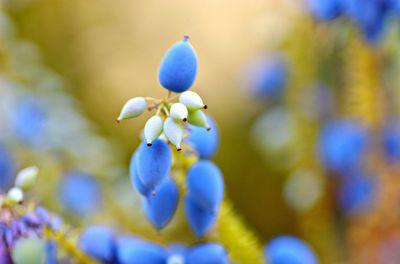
(133, 108)
(192, 101)
(176, 259)
(26, 178)
(198, 118)
(173, 132)
(15, 195)
(179, 112)
(153, 129)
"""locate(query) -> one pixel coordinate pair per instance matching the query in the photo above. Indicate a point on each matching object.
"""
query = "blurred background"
(306, 108)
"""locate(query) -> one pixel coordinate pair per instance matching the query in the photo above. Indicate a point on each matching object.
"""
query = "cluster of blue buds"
(371, 16)
(104, 245)
(179, 123)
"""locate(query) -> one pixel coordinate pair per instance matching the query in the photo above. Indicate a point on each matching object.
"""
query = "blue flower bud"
(356, 192)
(289, 250)
(391, 140)
(204, 142)
(325, 10)
(266, 77)
(130, 250)
(178, 68)
(200, 220)
(136, 182)
(7, 169)
(342, 145)
(99, 243)
(153, 163)
(208, 253)
(80, 193)
(160, 207)
(205, 184)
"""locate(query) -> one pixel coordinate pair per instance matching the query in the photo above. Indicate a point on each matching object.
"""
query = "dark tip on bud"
(184, 119)
(208, 128)
(117, 120)
(185, 38)
(153, 193)
(149, 144)
(179, 149)
(205, 106)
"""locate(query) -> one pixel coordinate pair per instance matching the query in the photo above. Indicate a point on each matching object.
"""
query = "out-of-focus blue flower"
(370, 16)
(207, 253)
(325, 10)
(98, 242)
(204, 142)
(28, 119)
(80, 192)
(266, 77)
(51, 252)
(391, 140)
(342, 145)
(7, 169)
(356, 192)
(289, 250)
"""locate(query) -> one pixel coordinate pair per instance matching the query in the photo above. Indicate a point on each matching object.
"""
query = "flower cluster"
(371, 16)
(104, 245)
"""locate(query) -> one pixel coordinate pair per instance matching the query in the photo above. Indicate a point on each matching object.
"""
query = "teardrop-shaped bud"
(204, 142)
(208, 253)
(198, 118)
(29, 250)
(133, 108)
(98, 242)
(26, 178)
(153, 129)
(178, 68)
(173, 132)
(205, 184)
(136, 182)
(161, 207)
(200, 220)
(192, 101)
(179, 112)
(130, 250)
(15, 195)
(153, 163)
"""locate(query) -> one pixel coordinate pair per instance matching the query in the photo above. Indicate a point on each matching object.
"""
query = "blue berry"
(356, 192)
(371, 16)
(325, 10)
(153, 163)
(391, 140)
(136, 182)
(204, 142)
(266, 77)
(342, 145)
(209, 253)
(98, 242)
(161, 206)
(131, 250)
(28, 120)
(289, 250)
(80, 193)
(205, 184)
(200, 220)
(7, 169)
(178, 68)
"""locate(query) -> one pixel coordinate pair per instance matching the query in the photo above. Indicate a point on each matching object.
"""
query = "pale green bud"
(192, 101)
(15, 195)
(29, 250)
(133, 108)
(198, 118)
(173, 132)
(26, 178)
(179, 112)
(153, 129)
